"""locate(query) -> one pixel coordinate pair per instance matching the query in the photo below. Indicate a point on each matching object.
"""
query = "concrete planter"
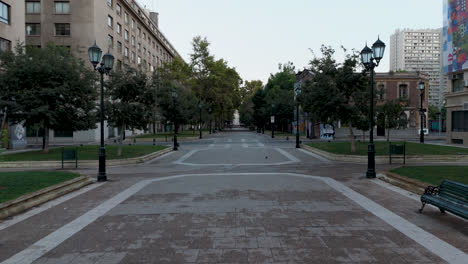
(82, 163)
(30, 200)
(386, 159)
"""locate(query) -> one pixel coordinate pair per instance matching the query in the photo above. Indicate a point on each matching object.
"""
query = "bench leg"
(420, 210)
(442, 210)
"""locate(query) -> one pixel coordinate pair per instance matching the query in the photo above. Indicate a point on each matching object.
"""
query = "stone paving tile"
(224, 242)
(209, 255)
(234, 256)
(260, 255)
(268, 242)
(246, 242)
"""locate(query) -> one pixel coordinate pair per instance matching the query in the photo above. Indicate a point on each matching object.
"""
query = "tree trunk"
(121, 139)
(46, 140)
(351, 134)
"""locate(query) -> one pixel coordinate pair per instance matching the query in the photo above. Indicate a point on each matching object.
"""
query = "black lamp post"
(200, 105)
(371, 59)
(105, 67)
(272, 120)
(421, 88)
(297, 92)
(174, 97)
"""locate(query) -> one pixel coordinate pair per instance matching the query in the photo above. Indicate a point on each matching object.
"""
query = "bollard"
(154, 141)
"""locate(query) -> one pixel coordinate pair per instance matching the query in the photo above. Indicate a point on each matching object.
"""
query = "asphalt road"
(235, 197)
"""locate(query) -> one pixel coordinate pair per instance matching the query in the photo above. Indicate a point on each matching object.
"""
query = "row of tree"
(50, 88)
(337, 92)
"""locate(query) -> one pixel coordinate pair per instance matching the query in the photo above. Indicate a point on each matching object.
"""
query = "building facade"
(122, 27)
(455, 61)
(420, 50)
(403, 86)
(11, 23)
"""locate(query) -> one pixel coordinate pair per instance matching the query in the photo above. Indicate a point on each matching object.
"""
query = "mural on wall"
(455, 35)
(327, 132)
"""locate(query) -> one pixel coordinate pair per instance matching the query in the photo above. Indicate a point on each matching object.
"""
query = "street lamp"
(272, 121)
(105, 67)
(297, 92)
(421, 88)
(371, 59)
(174, 97)
(200, 105)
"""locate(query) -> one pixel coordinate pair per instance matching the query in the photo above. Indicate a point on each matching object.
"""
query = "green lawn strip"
(15, 184)
(84, 153)
(381, 148)
(279, 133)
(434, 174)
(183, 134)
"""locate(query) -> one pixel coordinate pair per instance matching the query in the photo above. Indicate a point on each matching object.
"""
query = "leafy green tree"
(246, 109)
(48, 86)
(127, 91)
(392, 113)
(260, 111)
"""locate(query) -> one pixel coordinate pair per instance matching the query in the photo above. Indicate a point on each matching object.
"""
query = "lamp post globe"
(366, 56)
(378, 49)
(421, 88)
(94, 53)
(108, 61)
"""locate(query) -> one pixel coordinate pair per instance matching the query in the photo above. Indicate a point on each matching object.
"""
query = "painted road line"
(230, 140)
(287, 155)
(46, 206)
(211, 145)
(186, 156)
(322, 159)
(435, 245)
(260, 144)
(227, 146)
(160, 157)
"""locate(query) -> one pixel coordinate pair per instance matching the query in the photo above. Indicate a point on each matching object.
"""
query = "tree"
(49, 87)
(246, 109)
(392, 113)
(127, 91)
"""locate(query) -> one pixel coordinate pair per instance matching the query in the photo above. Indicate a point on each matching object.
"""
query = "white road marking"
(260, 144)
(244, 145)
(322, 159)
(230, 140)
(227, 146)
(186, 156)
(289, 156)
(435, 245)
(46, 206)
(211, 145)
(160, 157)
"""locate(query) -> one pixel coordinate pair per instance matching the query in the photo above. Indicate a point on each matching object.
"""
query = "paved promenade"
(235, 197)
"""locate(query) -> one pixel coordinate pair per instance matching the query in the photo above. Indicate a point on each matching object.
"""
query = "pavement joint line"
(46, 206)
(434, 244)
(158, 158)
(325, 160)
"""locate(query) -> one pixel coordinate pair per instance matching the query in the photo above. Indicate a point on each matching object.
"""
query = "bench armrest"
(432, 190)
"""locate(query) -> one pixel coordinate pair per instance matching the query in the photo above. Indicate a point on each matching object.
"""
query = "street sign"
(272, 119)
(297, 87)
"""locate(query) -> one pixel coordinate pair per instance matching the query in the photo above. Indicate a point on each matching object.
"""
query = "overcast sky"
(255, 35)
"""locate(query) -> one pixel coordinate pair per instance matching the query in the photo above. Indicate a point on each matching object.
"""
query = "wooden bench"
(449, 196)
(397, 150)
(70, 154)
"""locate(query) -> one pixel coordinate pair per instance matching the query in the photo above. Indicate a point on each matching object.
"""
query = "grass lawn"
(435, 174)
(182, 134)
(381, 148)
(279, 133)
(84, 153)
(15, 184)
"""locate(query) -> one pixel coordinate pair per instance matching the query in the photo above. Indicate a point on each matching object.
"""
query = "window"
(110, 21)
(5, 44)
(133, 41)
(33, 29)
(126, 35)
(457, 83)
(119, 47)
(133, 24)
(62, 7)
(119, 64)
(139, 46)
(4, 13)
(139, 60)
(62, 29)
(126, 52)
(144, 35)
(33, 7)
(119, 28)
(109, 3)
(126, 18)
(110, 41)
(118, 9)
(139, 32)
(460, 121)
(403, 91)
(133, 57)
(381, 92)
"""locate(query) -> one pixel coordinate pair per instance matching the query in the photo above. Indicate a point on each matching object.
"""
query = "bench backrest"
(69, 154)
(397, 149)
(454, 191)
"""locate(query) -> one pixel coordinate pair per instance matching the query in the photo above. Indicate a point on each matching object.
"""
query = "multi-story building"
(455, 60)
(420, 50)
(11, 23)
(122, 27)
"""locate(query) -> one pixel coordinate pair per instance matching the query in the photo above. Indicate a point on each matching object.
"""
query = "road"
(235, 197)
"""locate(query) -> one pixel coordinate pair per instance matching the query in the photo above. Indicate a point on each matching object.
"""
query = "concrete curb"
(82, 163)
(30, 200)
(161, 139)
(406, 183)
(463, 159)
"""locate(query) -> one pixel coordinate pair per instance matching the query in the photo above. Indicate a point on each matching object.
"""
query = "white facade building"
(420, 50)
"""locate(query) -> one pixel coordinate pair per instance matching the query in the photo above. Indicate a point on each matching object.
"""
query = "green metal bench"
(70, 154)
(397, 150)
(449, 196)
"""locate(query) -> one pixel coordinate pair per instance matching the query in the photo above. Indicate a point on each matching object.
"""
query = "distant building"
(128, 31)
(11, 23)
(455, 51)
(403, 85)
(420, 50)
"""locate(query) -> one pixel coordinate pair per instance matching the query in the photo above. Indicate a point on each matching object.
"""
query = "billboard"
(455, 35)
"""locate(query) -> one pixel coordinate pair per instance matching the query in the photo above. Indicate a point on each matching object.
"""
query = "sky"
(254, 36)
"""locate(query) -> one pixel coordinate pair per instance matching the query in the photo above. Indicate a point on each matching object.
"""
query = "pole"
(102, 150)
(272, 130)
(297, 125)
(440, 123)
(175, 124)
(200, 124)
(421, 133)
(371, 149)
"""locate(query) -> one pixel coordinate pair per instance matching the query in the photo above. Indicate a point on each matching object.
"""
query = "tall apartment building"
(420, 50)
(11, 23)
(122, 27)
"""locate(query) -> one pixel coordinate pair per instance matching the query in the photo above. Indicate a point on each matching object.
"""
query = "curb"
(82, 163)
(408, 184)
(462, 159)
(30, 200)
(161, 139)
